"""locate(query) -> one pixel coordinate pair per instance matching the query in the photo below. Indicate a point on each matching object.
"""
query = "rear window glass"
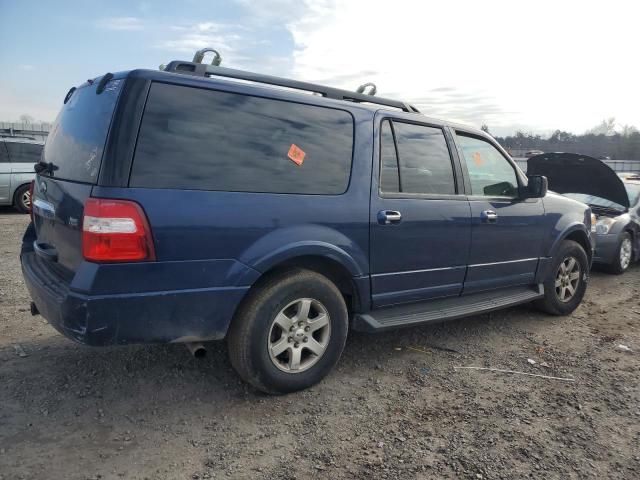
(77, 139)
(24, 152)
(200, 139)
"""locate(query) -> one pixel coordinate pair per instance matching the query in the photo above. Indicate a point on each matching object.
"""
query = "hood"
(574, 173)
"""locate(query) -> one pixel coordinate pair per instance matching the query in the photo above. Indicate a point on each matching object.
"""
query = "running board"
(444, 309)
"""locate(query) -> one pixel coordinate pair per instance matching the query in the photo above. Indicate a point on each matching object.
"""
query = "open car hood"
(574, 173)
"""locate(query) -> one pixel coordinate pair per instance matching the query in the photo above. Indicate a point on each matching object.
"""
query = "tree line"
(604, 140)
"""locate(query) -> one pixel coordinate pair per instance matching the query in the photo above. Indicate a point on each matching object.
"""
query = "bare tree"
(24, 118)
(606, 127)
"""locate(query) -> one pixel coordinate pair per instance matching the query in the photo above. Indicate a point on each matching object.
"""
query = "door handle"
(489, 216)
(387, 217)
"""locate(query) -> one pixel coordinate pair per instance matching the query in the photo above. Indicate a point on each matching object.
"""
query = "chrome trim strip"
(502, 263)
(418, 271)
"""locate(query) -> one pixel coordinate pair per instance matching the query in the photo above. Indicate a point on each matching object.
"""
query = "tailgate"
(73, 155)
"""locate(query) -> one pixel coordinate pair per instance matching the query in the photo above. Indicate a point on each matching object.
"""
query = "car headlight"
(594, 220)
(603, 225)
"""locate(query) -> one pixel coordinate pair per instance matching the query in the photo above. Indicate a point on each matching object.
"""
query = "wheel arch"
(577, 233)
(352, 287)
(579, 236)
(15, 191)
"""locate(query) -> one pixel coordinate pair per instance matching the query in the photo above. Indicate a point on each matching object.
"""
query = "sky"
(530, 65)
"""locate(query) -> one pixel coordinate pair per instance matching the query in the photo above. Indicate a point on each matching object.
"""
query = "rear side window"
(4, 156)
(389, 178)
(24, 152)
(201, 139)
(423, 160)
(77, 139)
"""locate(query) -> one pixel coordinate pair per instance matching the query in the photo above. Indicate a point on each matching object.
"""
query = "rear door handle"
(489, 216)
(387, 217)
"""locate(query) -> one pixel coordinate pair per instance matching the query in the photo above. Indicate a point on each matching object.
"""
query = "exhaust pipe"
(196, 349)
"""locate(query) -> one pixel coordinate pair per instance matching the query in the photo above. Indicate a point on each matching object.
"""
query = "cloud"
(189, 38)
(121, 23)
(474, 62)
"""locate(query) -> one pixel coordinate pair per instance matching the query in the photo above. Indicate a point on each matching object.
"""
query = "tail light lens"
(31, 185)
(115, 231)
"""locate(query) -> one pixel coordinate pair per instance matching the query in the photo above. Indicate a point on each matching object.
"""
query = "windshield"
(77, 139)
(633, 190)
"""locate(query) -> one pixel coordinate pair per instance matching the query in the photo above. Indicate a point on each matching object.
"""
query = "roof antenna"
(364, 86)
(199, 56)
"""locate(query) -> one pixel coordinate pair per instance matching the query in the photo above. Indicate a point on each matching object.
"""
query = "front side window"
(490, 173)
(193, 138)
(423, 160)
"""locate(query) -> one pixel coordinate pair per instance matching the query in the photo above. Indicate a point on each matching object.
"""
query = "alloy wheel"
(567, 279)
(25, 199)
(625, 253)
(299, 335)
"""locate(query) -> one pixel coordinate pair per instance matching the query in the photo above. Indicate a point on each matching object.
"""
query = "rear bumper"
(197, 314)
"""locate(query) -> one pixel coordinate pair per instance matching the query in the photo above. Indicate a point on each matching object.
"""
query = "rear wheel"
(566, 282)
(289, 333)
(22, 199)
(624, 254)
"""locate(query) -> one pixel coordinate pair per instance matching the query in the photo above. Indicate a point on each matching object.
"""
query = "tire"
(558, 298)
(624, 255)
(259, 331)
(22, 199)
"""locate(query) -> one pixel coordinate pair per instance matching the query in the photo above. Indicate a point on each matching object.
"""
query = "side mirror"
(537, 187)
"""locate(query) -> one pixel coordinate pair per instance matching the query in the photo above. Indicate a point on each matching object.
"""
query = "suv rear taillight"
(115, 231)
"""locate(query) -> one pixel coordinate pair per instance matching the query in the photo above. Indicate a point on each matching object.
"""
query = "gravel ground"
(394, 407)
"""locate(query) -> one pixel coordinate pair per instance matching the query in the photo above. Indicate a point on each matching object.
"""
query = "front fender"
(568, 231)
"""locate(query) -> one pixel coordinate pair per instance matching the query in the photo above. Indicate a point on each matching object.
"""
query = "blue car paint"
(211, 247)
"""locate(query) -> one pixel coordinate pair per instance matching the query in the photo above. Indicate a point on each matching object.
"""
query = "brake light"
(31, 185)
(115, 231)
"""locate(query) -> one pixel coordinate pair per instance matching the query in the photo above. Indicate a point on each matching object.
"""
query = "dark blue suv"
(203, 203)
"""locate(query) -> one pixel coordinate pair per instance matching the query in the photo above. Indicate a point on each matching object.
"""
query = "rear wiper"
(45, 167)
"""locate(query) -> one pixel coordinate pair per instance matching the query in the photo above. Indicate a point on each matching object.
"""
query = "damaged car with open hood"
(613, 198)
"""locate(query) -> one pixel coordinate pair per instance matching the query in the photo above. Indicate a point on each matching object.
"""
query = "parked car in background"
(613, 198)
(184, 206)
(532, 153)
(17, 158)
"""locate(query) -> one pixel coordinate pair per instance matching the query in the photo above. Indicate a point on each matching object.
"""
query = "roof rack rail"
(202, 70)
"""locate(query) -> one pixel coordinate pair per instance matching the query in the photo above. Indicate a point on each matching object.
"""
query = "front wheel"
(289, 333)
(624, 254)
(566, 282)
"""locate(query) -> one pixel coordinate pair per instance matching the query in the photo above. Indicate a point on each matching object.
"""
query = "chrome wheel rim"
(625, 253)
(567, 279)
(299, 335)
(26, 200)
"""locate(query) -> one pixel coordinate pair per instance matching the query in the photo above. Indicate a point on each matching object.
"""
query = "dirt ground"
(395, 407)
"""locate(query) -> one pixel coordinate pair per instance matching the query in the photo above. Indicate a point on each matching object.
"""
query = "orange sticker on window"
(296, 154)
(477, 159)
